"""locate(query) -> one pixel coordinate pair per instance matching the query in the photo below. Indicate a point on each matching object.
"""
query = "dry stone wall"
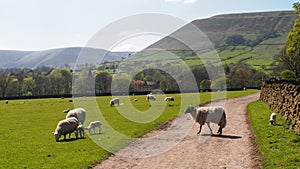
(284, 98)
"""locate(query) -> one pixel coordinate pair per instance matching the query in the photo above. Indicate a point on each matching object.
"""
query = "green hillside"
(263, 33)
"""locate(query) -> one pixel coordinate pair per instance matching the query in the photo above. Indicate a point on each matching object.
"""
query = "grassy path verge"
(278, 146)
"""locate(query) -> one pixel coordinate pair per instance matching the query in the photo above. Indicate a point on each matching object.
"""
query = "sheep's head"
(56, 135)
(189, 109)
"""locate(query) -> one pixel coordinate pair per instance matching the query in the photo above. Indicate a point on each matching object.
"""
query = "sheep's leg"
(76, 134)
(99, 130)
(209, 129)
(220, 131)
(199, 129)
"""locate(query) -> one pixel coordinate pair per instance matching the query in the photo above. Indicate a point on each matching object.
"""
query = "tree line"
(47, 81)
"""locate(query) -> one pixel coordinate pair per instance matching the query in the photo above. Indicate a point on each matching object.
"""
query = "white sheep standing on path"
(64, 127)
(93, 125)
(202, 115)
(78, 113)
(115, 101)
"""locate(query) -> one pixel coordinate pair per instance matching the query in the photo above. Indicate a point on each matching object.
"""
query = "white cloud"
(182, 1)
(126, 48)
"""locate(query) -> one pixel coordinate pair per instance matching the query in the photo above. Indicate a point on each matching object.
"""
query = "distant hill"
(56, 57)
(266, 33)
(251, 26)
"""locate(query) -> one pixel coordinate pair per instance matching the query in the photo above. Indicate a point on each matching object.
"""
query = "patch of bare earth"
(236, 148)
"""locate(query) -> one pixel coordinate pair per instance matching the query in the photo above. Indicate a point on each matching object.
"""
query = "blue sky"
(47, 24)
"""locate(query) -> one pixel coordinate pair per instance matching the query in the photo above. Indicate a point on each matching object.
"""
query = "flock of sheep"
(202, 115)
(74, 123)
(75, 118)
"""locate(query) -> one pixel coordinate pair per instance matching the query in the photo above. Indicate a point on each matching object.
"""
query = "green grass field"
(278, 146)
(27, 142)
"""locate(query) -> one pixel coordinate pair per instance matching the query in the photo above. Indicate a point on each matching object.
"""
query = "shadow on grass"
(223, 136)
(71, 139)
(94, 134)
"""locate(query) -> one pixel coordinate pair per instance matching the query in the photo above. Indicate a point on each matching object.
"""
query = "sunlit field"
(26, 126)
(278, 146)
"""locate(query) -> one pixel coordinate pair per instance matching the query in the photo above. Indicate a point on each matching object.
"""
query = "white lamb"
(93, 125)
(206, 115)
(115, 101)
(64, 127)
(78, 113)
(80, 131)
(272, 120)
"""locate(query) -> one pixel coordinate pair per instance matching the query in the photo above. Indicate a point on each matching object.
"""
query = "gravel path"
(236, 148)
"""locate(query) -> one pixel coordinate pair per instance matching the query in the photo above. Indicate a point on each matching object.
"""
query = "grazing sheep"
(93, 125)
(67, 110)
(272, 120)
(80, 131)
(169, 99)
(6, 101)
(150, 97)
(78, 113)
(64, 127)
(115, 101)
(206, 115)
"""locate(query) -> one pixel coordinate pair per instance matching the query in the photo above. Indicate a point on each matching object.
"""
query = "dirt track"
(234, 149)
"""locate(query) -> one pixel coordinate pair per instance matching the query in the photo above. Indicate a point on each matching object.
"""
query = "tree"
(296, 6)
(290, 53)
(235, 40)
(64, 77)
(5, 81)
(102, 82)
(219, 83)
(20, 80)
(242, 75)
(83, 82)
(205, 84)
(120, 85)
(288, 74)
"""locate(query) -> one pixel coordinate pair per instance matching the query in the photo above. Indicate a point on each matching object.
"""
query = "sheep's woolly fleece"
(235, 149)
